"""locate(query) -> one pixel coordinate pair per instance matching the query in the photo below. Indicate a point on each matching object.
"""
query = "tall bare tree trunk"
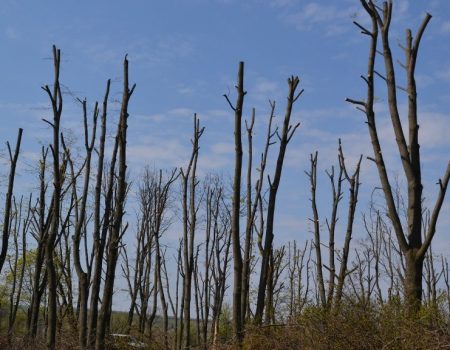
(236, 208)
(56, 102)
(40, 229)
(117, 230)
(190, 183)
(286, 135)
(100, 238)
(9, 195)
(410, 242)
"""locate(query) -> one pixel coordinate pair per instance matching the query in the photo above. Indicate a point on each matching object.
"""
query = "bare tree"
(412, 246)
(353, 181)
(50, 238)
(22, 220)
(80, 224)
(190, 208)
(286, 135)
(298, 287)
(9, 195)
(236, 203)
(40, 225)
(117, 229)
(100, 228)
(336, 280)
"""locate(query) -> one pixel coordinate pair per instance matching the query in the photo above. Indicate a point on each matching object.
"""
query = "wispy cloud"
(333, 20)
(159, 50)
(283, 3)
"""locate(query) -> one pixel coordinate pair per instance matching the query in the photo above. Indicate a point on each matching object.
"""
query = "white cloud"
(334, 20)
(223, 148)
(263, 90)
(163, 152)
(185, 90)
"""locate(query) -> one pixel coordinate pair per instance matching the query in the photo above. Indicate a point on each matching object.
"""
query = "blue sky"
(184, 56)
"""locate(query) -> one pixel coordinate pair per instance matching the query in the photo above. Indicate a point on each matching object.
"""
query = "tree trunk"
(413, 281)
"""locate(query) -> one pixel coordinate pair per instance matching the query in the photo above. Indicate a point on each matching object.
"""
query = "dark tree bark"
(189, 184)
(21, 225)
(286, 135)
(83, 282)
(9, 195)
(353, 181)
(99, 231)
(236, 203)
(249, 226)
(317, 239)
(40, 227)
(412, 246)
(50, 239)
(117, 230)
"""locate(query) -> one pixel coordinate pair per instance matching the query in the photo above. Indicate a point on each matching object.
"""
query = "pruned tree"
(100, 226)
(39, 227)
(18, 259)
(117, 228)
(410, 241)
(285, 137)
(189, 208)
(55, 96)
(236, 206)
(336, 278)
(83, 273)
(9, 196)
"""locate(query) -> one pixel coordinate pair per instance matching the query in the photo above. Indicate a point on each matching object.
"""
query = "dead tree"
(39, 227)
(161, 224)
(412, 246)
(336, 280)
(9, 195)
(141, 288)
(204, 280)
(50, 238)
(189, 208)
(17, 268)
(220, 262)
(117, 229)
(286, 135)
(298, 288)
(317, 240)
(276, 267)
(353, 182)
(100, 226)
(236, 203)
(253, 205)
(80, 224)
(63, 255)
(133, 281)
(249, 225)
(374, 230)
